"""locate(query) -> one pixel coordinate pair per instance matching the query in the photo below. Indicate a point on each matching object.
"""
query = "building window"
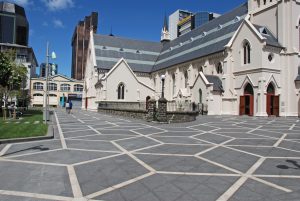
(219, 68)
(200, 69)
(186, 79)
(247, 52)
(52, 87)
(78, 88)
(174, 84)
(38, 86)
(36, 95)
(65, 87)
(200, 96)
(121, 91)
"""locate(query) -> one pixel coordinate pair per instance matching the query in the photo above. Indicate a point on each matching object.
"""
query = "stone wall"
(179, 117)
(152, 114)
(136, 114)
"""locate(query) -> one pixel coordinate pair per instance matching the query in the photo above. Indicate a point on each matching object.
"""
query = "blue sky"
(55, 20)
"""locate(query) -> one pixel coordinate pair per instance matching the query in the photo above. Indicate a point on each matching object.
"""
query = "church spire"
(165, 34)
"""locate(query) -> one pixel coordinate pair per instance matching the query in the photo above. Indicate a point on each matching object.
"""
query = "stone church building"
(244, 62)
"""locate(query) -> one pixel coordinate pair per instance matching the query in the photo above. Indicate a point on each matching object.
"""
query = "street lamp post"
(46, 97)
(163, 77)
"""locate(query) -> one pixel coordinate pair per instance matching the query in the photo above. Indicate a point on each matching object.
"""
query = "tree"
(11, 75)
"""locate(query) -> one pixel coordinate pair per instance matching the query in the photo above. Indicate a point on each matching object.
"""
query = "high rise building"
(182, 22)
(14, 26)
(201, 18)
(174, 19)
(52, 70)
(80, 42)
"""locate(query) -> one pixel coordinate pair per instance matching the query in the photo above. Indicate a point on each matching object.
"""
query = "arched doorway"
(247, 101)
(147, 102)
(272, 101)
(200, 96)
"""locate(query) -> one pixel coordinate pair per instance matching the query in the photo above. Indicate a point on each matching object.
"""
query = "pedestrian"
(67, 107)
(70, 106)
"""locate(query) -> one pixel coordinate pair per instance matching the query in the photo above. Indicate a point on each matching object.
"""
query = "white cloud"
(31, 32)
(22, 2)
(58, 23)
(54, 5)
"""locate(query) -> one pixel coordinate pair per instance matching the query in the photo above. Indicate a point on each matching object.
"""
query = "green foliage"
(12, 75)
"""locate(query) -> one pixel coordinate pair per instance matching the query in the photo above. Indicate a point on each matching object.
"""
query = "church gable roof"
(140, 55)
(266, 33)
(143, 56)
(202, 41)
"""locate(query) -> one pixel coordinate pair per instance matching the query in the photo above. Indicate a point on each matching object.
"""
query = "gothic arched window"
(121, 91)
(174, 84)
(186, 79)
(219, 68)
(247, 53)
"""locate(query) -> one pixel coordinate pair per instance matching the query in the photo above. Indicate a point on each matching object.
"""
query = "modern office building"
(182, 22)
(80, 42)
(14, 27)
(244, 62)
(174, 19)
(201, 18)
(14, 36)
(52, 70)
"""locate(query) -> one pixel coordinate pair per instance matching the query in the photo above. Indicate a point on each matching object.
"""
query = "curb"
(50, 135)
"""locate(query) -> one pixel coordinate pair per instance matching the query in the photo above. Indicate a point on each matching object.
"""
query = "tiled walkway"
(100, 157)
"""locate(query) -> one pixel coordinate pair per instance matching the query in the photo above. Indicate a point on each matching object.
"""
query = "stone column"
(162, 110)
(151, 110)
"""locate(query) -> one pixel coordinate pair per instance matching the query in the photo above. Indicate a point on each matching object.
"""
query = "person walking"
(67, 107)
(70, 106)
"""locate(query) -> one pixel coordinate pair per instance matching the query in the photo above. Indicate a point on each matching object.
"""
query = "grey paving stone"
(204, 128)
(64, 156)
(116, 131)
(33, 147)
(137, 143)
(147, 131)
(234, 130)
(177, 149)
(80, 133)
(269, 151)
(293, 136)
(290, 183)
(18, 198)
(91, 145)
(106, 137)
(290, 145)
(181, 164)
(242, 135)
(257, 142)
(100, 175)
(171, 188)
(178, 134)
(217, 139)
(279, 167)
(254, 191)
(230, 158)
(179, 140)
(268, 133)
(35, 178)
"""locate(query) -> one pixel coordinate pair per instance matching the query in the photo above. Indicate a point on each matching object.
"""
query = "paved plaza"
(109, 158)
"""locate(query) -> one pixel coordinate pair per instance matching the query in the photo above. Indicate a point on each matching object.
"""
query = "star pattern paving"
(94, 156)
